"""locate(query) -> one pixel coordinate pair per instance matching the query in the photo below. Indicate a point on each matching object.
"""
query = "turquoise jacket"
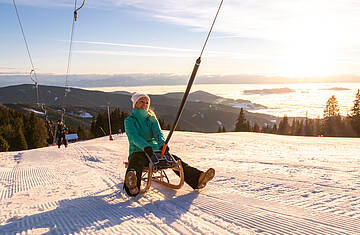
(142, 130)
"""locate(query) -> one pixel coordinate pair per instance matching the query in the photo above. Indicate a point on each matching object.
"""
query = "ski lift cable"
(189, 85)
(32, 72)
(26, 44)
(76, 9)
(71, 41)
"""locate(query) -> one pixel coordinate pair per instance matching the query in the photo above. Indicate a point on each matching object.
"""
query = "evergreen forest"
(22, 131)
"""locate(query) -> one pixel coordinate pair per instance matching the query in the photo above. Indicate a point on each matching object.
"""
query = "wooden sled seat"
(156, 171)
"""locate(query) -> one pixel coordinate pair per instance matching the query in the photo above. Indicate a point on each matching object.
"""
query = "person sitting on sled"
(61, 133)
(144, 134)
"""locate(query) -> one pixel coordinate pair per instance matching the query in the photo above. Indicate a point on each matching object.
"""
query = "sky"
(308, 39)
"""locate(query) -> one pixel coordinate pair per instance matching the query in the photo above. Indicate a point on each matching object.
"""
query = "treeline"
(22, 131)
(19, 131)
(332, 124)
(100, 125)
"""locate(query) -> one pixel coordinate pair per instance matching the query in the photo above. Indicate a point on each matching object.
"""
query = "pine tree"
(332, 119)
(4, 146)
(355, 111)
(309, 127)
(21, 144)
(92, 127)
(50, 127)
(274, 129)
(349, 127)
(83, 133)
(332, 108)
(299, 128)
(100, 125)
(35, 132)
(241, 123)
(248, 126)
(18, 141)
(22, 131)
(115, 118)
(318, 127)
(256, 127)
(294, 126)
(355, 114)
(284, 128)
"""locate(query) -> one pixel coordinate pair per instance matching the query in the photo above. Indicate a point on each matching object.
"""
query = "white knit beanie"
(136, 96)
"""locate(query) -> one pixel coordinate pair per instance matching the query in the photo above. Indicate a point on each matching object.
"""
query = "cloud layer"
(96, 80)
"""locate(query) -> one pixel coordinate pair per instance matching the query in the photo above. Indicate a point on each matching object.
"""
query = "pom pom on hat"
(136, 96)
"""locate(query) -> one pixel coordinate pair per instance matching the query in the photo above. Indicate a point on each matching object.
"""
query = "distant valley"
(204, 112)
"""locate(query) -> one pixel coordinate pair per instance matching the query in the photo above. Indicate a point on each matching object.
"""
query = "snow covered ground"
(264, 184)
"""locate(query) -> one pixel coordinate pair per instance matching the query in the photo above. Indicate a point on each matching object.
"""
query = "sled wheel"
(181, 175)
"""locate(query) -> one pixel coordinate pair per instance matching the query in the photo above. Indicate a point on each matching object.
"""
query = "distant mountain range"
(108, 80)
(204, 112)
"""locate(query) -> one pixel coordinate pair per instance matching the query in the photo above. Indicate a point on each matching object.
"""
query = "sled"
(156, 171)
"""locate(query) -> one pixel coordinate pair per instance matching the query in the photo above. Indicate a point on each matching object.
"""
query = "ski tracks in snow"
(78, 190)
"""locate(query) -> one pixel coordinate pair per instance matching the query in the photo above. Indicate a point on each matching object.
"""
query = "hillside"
(264, 183)
(202, 113)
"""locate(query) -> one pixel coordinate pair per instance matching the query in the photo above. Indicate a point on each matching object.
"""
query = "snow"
(85, 115)
(81, 114)
(264, 184)
(35, 111)
(246, 105)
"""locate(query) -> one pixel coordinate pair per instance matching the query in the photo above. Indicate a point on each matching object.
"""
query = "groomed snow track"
(277, 188)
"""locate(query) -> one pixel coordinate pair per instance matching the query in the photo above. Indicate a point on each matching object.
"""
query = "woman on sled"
(144, 134)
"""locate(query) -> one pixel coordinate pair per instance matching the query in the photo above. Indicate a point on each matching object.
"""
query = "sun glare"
(309, 59)
(310, 46)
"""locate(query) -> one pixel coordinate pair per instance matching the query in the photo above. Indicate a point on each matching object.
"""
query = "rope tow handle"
(71, 40)
(36, 85)
(31, 76)
(75, 11)
(189, 85)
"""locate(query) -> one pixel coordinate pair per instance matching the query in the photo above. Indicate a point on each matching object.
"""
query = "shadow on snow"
(100, 212)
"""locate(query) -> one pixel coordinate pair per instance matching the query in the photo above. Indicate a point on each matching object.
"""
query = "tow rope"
(32, 72)
(67, 89)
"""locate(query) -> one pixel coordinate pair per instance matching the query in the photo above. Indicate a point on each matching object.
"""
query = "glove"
(149, 151)
(166, 150)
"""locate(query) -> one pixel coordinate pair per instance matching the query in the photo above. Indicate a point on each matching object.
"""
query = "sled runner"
(156, 171)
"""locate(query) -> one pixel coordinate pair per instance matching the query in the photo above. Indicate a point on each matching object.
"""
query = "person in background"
(61, 131)
(144, 135)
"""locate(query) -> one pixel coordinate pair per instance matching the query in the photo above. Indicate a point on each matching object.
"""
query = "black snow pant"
(138, 161)
(61, 140)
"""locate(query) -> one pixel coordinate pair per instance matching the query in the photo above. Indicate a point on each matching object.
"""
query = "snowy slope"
(264, 184)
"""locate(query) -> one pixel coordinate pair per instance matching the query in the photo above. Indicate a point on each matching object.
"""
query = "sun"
(310, 46)
(309, 59)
